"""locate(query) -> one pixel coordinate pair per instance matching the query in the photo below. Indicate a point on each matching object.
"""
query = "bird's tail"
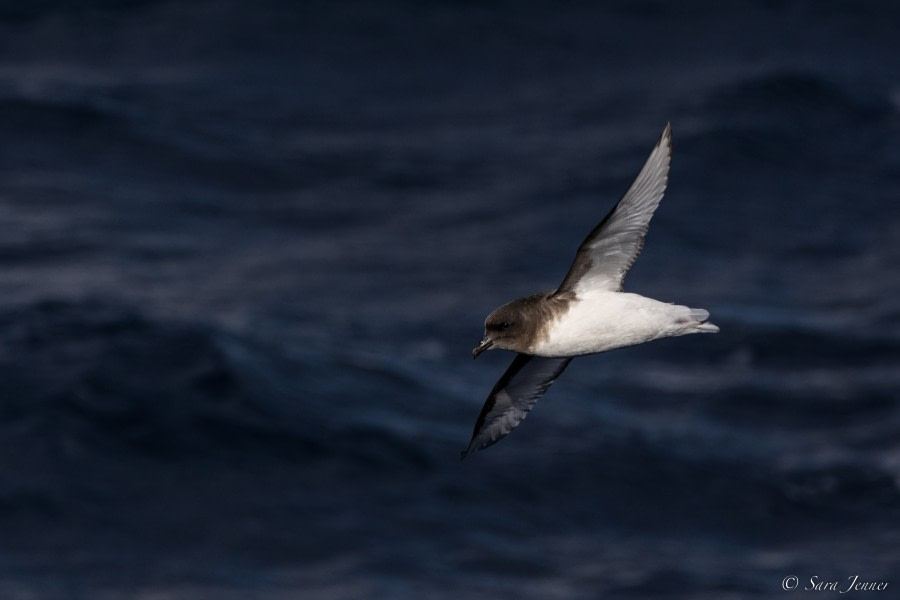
(695, 320)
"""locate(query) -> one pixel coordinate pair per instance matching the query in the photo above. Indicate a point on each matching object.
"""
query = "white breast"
(607, 320)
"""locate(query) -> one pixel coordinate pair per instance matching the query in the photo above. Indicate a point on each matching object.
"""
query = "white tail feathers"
(698, 314)
(694, 321)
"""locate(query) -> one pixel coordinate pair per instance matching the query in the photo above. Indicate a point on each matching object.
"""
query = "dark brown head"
(513, 326)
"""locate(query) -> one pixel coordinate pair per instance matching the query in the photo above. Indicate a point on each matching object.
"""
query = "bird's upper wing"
(523, 383)
(612, 247)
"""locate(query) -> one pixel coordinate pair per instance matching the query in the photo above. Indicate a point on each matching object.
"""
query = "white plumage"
(602, 321)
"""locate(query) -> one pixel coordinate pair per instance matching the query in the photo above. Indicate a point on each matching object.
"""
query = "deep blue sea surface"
(246, 249)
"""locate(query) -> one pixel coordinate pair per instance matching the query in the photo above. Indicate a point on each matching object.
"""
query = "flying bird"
(588, 313)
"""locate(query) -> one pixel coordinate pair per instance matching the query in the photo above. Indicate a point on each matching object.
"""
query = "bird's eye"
(504, 325)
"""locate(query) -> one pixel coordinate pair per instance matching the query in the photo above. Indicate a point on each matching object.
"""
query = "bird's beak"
(483, 345)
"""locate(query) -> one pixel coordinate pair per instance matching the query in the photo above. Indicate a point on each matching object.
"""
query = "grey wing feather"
(612, 247)
(523, 383)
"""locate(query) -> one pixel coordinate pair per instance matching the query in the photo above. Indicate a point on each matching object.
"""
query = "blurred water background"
(247, 247)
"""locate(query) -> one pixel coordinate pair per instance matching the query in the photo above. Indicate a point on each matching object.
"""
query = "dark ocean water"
(246, 249)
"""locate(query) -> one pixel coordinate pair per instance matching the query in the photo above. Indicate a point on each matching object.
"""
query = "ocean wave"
(104, 378)
(806, 96)
(787, 118)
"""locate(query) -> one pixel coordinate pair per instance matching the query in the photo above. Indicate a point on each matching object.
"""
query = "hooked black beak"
(483, 345)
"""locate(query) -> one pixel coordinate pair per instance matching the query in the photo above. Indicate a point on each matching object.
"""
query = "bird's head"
(508, 327)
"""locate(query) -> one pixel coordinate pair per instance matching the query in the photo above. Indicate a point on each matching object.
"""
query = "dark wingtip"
(468, 451)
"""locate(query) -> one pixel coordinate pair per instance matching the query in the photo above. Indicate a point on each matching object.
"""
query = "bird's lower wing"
(523, 383)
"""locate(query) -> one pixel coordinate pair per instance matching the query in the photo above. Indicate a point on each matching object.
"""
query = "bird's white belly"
(605, 321)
